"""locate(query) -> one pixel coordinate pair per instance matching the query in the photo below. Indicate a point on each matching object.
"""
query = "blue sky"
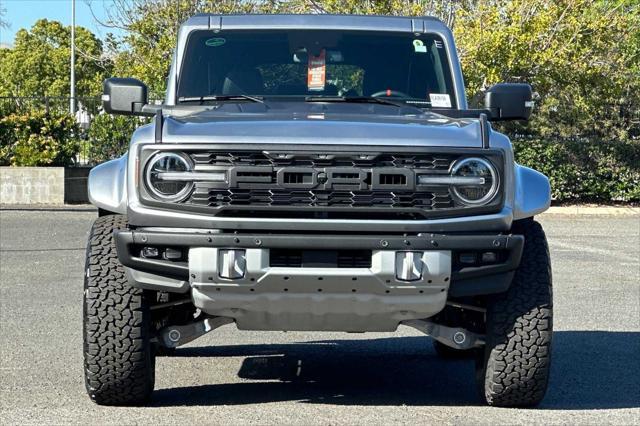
(24, 13)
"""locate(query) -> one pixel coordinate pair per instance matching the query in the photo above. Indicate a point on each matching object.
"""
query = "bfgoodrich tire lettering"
(514, 370)
(119, 362)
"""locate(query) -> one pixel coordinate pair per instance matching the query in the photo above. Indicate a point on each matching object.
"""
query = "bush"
(38, 139)
(585, 170)
(109, 136)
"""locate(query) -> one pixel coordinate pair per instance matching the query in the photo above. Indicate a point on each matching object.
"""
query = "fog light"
(409, 265)
(467, 258)
(172, 254)
(232, 264)
(489, 257)
(150, 252)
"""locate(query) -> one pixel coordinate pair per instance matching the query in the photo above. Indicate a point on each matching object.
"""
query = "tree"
(582, 57)
(38, 64)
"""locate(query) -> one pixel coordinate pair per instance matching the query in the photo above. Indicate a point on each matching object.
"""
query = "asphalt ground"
(237, 377)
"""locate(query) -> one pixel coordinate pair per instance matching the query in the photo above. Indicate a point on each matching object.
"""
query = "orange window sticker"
(317, 71)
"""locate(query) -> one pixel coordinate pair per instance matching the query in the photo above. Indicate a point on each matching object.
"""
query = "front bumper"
(268, 296)
(464, 279)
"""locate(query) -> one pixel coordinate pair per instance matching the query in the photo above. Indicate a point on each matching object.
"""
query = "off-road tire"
(119, 361)
(447, 352)
(514, 369)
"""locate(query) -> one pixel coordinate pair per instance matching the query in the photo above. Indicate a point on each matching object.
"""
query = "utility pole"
(72, 104)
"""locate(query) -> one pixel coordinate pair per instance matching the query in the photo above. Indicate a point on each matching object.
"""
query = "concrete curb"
(577, 210)
(49, 207)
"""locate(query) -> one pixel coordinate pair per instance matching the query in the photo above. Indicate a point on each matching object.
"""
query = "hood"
(319, 123)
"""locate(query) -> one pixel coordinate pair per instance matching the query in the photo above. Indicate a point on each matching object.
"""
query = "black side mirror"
(509, 101)
(125, 96)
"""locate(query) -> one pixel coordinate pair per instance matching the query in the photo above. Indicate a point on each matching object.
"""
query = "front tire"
(119, 361)
(514, 369)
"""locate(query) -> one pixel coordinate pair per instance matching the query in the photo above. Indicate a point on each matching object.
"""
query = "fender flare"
(107, 185)
(532, 192)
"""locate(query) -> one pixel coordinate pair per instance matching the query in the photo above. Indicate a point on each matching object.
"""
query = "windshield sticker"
(317, 71)
(215, 42)
(440, 100)
(419, 46)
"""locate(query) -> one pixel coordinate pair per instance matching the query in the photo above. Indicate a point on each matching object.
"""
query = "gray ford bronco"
(317, 172)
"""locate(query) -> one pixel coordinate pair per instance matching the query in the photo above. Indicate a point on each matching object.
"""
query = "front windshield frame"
(445, 62)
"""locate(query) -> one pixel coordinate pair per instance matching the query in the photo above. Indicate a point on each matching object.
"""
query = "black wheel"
(514, 369)
(447, 352)
(119, 361)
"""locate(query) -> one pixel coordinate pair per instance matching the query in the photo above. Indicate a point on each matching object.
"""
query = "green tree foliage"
(109, 136)
(38, 139)
(584, 170)
(38, 64)
(582, 57)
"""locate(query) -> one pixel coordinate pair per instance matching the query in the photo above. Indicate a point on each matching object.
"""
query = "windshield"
(311, 64)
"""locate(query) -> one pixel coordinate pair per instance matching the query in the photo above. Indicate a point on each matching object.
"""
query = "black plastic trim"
(481, 285)
(126, 239)
(158, 126)
(484, 130)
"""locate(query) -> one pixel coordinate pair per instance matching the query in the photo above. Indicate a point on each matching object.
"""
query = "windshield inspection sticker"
(440, 100)
(316, 71)
(419, 46)
(215, 42)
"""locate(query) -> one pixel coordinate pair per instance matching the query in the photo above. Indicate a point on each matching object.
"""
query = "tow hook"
(455, 337)
(177, 335)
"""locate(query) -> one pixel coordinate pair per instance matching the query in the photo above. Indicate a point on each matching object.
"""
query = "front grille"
(211, 197)
(284, 183)
(287, 180)
(248, 158)
(293, 258)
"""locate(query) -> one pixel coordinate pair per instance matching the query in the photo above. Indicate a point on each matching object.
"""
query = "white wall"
(31, 185)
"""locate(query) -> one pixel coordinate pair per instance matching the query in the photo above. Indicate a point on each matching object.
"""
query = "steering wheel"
(390, 94)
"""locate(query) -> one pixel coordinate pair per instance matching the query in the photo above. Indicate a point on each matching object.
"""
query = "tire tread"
(519, 329)
(118, 358)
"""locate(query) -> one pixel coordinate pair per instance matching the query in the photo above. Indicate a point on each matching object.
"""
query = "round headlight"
(479, 190)
(163, 176)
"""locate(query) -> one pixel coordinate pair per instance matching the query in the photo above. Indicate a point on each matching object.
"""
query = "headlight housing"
(483, 189)
(158, 176)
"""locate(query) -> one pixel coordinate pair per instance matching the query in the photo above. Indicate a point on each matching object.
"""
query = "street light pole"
(72, 104)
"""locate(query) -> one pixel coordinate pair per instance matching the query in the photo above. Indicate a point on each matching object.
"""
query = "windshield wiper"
(218, 98)
(359, 99)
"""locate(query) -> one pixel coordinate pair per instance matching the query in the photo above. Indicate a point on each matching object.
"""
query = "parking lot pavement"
(231, 376)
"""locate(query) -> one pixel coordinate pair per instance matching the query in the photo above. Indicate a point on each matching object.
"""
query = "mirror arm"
(484, 130)
(149, 110)
(158, 126)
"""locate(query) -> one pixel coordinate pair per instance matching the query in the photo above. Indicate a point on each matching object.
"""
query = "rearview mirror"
(125, 96)
(509, 101)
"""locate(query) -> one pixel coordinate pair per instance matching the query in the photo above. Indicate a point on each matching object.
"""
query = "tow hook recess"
(458, 338)
(177, 335)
